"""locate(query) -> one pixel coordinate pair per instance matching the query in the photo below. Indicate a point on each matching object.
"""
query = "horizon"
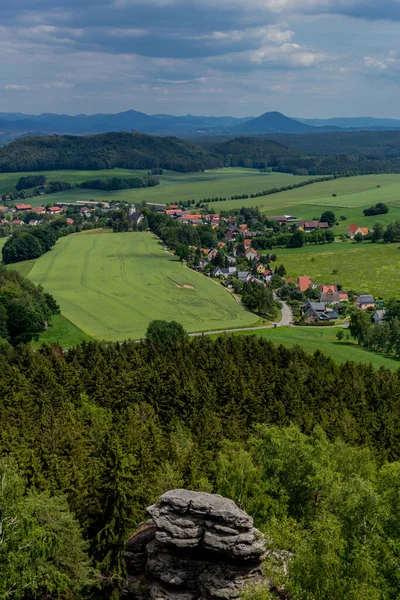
(218, 116)
(307, 58)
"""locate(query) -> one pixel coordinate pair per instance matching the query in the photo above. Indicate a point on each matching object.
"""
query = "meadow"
(353, 194)
(366, 268)
(324, 340)
(111, 286)
(174, 187)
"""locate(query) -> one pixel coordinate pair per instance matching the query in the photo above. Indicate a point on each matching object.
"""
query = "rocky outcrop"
(196, 546)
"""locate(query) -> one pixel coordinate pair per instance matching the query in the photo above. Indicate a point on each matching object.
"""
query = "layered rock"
(196, 546)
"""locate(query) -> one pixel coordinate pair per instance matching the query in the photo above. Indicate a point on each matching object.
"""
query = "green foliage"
(24, 308)
(104, 151)
(378, 209)
(168, 333)
(42, 552)
(30, 181)
(328, 217)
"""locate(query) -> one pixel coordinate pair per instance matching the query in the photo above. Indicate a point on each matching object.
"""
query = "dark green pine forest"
(91, 436)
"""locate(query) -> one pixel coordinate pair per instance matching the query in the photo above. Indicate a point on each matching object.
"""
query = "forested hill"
(314, 154)
(104, 151)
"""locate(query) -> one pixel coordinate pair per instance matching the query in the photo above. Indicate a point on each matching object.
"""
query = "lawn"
(353, 194)
(325, 340)
(366, 268)
(174, 187)
(111, 286)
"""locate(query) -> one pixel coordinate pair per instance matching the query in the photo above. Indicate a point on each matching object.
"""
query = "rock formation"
(196, 546)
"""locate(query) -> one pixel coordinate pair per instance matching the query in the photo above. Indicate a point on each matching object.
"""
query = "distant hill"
(105, 151)
(272, 122)
(354, 123)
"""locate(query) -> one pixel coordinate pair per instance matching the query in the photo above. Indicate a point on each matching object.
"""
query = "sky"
(305, 58)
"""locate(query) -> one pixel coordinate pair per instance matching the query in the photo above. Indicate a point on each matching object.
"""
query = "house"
(230, 234)
(23, 207)
(3, 209)
(379, 317)
(282, 220)
(330, 293)
(289, 280)
(267, 275)
(312, 225)
(247, 243)
(33, 222)
(224, 271)
(69, 221)
(17, 222)
(252, 254)
(39, 210)
(314, 312)
(54, 210)
(354, 230)
(343, 296)
(243, 276)
(260, 268)
(221, 245)
(243, 229)
(232, 260)
(304, 283)
(365, 301)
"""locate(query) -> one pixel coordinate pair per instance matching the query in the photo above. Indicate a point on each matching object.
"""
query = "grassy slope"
(353, 195)
(112, 285)
(325, 341)
(173, 187)
(367, 268)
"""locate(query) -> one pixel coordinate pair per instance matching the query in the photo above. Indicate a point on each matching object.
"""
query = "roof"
(332, 314)
(69, 221)
(365, 230)
(317, 306)
(304, 283)
(315, 224)
(38, 209)
(328, 289)
(243, 274)
(23, 206)
(343, 295)
(353, 228)
(54, 209)
(251, 250)
(17, 222)
(366, 299)
(289, 280)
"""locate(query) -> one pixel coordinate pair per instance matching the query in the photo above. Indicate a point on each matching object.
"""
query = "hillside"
(377, 144)
(104, 151)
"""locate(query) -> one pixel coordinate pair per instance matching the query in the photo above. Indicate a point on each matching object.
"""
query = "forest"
(305, 154)
(91, 436)
(104, 151)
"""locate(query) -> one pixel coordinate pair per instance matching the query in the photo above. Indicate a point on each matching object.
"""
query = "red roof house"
(304, 283)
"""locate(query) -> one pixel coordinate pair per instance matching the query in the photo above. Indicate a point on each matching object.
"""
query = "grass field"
(62, 332)
(173, 186)
(8, 181)
(366, 268)
(111, 286)
(325, 341)
(353, 195)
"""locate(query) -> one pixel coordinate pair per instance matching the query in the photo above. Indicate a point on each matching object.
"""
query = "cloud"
(16, 87)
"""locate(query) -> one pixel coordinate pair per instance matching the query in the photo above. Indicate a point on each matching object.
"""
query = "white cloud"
(16, 87)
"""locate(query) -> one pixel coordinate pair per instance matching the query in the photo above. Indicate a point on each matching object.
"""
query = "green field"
(365, 268)
(325, 341)
(353, 195)
(111, 286)
(174, 187)
(8, 181)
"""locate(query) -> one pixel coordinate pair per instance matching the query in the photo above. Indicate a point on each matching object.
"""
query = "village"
(235, 257)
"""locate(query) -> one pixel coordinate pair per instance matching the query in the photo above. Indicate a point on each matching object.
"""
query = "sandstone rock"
(197, 546)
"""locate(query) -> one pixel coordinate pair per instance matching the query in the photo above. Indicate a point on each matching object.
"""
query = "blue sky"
(306, 58)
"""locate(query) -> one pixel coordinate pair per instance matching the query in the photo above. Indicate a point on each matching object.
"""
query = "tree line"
(83, 451)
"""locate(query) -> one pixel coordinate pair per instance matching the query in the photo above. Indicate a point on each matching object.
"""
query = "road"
(286, 320)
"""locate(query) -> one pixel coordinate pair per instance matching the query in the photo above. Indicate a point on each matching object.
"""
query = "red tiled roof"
(304, 283)
(329, 289)
(365, 230)
(54, 209)
(353, 228)
(23, 207)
